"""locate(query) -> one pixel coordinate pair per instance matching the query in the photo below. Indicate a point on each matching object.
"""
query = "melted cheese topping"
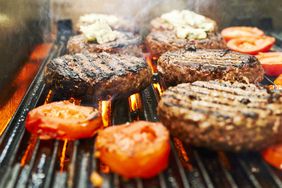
(99, 31)
(188, 24)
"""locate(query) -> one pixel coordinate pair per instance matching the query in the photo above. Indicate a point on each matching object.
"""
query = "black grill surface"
(26, 161)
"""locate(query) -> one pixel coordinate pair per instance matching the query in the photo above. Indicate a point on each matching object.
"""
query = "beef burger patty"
(222, 115)
(97, 75)
(192, 65)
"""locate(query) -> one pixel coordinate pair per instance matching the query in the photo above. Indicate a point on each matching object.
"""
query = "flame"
(29, 149)
(49, 97)
(158, 88)
(105, 109)
(14, 93)
(184, 159)
(151, 64)
(63, 156)
(135, 102)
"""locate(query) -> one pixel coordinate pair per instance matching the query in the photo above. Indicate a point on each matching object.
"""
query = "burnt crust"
(97, 75)
(222, 115)
(190, 65)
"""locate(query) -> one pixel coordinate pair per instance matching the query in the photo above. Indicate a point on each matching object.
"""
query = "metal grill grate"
(26, 161)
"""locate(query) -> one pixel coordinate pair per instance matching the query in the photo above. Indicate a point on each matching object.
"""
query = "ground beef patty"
(159, 42)
(222, 115)
(191, 65)
(126, 43)
(97, 75)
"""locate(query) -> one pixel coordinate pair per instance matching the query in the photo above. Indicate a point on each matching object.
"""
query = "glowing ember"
(105, 109)
(75, 101)
(49, 97)
(151, 63)
(158, 88)
(182, 153)
(135, 102)
(63, 156)
(29, 150)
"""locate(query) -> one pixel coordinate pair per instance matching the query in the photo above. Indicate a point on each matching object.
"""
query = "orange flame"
(105, 109)
(135, 102)
(29, 149)
(49, 97)
(63, 156)
(151, 64)
(158, 88)
(184, 159)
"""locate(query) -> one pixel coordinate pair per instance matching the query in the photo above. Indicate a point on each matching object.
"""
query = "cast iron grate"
(26, 161)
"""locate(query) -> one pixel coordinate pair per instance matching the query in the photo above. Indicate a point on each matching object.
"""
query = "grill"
(26, 161)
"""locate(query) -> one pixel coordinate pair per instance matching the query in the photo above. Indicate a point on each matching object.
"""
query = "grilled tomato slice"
(63, 120)
(240, 31)
(251, 45)
(271, 63)
(138, 149)
(273, 155)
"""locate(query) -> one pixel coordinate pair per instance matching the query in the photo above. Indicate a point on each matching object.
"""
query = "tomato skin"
(240, 31)
(48, 126)
(271, 62)
(251, 45)
(273, 156)
(140, 159)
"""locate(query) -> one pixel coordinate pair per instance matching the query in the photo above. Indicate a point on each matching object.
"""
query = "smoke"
(140, 11)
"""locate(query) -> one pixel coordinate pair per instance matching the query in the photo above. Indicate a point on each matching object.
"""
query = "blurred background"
(25, 23)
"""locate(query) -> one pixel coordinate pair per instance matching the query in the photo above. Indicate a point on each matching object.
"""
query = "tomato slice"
(138, 149)
(273, 156)
(63, 120)
(271, 62)
(251, 45)
(240, 31)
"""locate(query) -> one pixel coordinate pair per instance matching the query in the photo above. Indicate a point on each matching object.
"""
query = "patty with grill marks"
(97, 75)
(159, 42)
(222, 115)
(191, 65)
(126, 43)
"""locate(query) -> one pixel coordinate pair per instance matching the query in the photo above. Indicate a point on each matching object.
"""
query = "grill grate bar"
(49, 174)
(249, 174)
(225, 166)
(14, 176)
(272, 174)
(180, 167)
(60, 180)
(71, 170)
(25, 173)
(203, 169)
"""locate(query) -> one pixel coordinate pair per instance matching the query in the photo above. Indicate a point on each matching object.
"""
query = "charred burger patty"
(97, 75)
(191, 65)
(222, 115)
